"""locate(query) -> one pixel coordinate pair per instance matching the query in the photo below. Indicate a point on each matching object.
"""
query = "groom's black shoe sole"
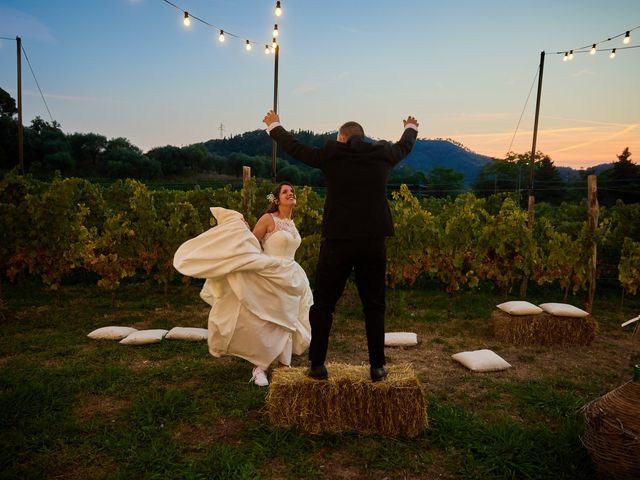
(318, 372)
(378, 374)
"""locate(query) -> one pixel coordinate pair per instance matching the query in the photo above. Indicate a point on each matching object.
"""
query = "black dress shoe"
(318, 372)
(378, 374)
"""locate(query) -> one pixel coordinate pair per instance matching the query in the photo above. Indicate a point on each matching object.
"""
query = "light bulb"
(570, 54)
(275, 30)
(247, 45)
(221, 36)
(627, 38)
(566, 57)
(278, 9)
(266, 49)
(187, 20)
(274, 44)
(593, 49)
(613, 53)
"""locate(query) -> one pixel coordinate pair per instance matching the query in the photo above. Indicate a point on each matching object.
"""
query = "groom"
(355, 223)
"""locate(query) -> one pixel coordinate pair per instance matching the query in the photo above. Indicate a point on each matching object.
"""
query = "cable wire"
(39, 89)
(582, 49)
(524, 108)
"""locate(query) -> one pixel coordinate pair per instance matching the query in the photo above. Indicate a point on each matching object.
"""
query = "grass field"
(76, 408)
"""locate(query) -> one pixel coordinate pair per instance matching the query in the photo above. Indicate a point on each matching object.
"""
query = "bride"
(260, 297)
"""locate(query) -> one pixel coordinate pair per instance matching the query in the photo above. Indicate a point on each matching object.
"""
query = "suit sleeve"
(308, 155)
(403, 147)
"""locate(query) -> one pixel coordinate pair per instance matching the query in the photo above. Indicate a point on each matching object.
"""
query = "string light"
(612, 54)
(247, 45)
(186, 20)
(627, 38)
(221, 36)
(570, 54)
(278, 9)
(566, 57)
(266, 49)
(275, 30)
(274, 44)
(593, 49)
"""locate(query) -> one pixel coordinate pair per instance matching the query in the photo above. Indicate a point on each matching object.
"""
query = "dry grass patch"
(88, 406)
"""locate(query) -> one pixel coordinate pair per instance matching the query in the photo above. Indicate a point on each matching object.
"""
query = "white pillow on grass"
(563, 310)
(400, 339)
(111, 333)
(519, 307)
(482, 361)
(187, 333)
(142, 337)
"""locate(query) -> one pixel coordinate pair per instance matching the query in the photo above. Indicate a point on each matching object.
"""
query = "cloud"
(15, 22)
(57, 96)
(582, 73)
(306, 88)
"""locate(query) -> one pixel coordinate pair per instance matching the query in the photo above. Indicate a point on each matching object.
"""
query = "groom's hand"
(271, 117)
(410, 120)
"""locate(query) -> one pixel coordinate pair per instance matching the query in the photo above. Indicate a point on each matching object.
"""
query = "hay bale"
(612, 432)
(543, 329)
(348, 401)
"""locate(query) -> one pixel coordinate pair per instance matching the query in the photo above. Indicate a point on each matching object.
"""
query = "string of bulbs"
(222, 33)
(593, 48)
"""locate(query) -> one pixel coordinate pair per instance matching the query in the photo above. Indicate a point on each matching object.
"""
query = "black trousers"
(367, 258)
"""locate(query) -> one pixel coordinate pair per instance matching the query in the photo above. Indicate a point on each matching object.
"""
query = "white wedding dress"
(259, 300)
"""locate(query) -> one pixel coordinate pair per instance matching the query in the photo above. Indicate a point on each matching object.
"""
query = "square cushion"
(519, 307)
(563, 310)
(481, 361)
(142, 337)
(111, 333)
(187, 333)
(399, 339)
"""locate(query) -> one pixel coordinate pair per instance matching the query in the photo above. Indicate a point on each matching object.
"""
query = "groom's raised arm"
(403, 147)
(311, 156)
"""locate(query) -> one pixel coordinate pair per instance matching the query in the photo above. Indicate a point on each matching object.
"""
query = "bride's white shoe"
(259, 377)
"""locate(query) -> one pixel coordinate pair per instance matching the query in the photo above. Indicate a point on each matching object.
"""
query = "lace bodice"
(284, 240)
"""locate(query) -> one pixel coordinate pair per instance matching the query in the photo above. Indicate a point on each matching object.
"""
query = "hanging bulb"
(593, 49)
(627, 38)
(186, 20)
(275, 30)
(566, 57)
(278, 9)
(247, 45)
(570, 54)
(274, 44)
(221, 36)
(266, 49)
(613, 53)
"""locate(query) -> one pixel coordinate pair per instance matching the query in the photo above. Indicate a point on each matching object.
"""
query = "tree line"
(48, 149)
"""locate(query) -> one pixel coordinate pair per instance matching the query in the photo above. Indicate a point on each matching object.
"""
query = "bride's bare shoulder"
(264, 225)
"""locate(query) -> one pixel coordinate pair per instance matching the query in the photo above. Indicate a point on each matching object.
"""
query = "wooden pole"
(20, 129)
(592, 220)
(246, 191)
(274, 145)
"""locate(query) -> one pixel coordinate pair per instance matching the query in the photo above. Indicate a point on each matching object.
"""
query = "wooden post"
(592, 220)
(246, 191)
(530, 219)
(20, 128)
(274, 145)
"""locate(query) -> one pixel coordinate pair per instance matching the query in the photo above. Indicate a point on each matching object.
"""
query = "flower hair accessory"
(271, 197)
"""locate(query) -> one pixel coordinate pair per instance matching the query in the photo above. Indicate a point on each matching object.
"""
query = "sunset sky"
(129, 68)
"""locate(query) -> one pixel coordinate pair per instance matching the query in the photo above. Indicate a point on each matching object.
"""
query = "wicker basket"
(612, 432)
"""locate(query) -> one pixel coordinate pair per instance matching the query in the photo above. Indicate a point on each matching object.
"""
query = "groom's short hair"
(351, 129)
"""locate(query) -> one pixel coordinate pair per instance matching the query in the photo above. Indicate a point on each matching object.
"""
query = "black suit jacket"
(356, 176)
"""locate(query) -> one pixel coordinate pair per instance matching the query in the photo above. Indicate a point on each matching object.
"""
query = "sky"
(464, 69)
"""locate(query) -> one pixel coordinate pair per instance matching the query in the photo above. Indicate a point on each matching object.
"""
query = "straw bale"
(543, 329)
(348, 401)
(612, 432)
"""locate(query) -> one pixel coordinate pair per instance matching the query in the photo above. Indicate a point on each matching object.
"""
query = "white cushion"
(519, 307)
(563, 310)
(142, 337)
(187, 333)
(396, 339)
(111, 333)
(481, 361)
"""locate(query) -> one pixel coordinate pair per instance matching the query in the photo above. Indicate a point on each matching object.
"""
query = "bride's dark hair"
(273, 206)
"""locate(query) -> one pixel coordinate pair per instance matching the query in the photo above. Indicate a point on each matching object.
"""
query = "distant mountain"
(447, 153)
